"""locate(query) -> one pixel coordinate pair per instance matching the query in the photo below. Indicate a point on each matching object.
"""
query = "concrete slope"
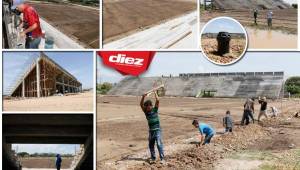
(166, 35)
(226, 85)
(251, 4)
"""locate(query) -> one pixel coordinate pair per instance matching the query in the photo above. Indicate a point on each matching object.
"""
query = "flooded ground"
(269, 39)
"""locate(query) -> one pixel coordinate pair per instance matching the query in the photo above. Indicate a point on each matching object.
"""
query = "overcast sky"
(79, 64)
(165, 63)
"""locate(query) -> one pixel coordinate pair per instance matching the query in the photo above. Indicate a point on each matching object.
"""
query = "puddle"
(269, 39)
(259, 38)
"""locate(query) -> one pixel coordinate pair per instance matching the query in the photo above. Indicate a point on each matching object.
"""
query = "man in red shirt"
(31, 24)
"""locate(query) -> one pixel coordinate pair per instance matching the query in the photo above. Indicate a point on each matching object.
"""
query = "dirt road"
(79, 22)
(124, 17)
(45, 162)
(78, 102)
(210, 48)
(122, 127)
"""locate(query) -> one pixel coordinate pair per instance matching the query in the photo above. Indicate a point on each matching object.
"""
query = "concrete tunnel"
(47, 129)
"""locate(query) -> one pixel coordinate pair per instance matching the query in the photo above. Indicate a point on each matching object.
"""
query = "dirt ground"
(77, 102)
(48, 162)
(283, 19)
(210, 48)
(79, 22)
(122, 132)
(124, 17)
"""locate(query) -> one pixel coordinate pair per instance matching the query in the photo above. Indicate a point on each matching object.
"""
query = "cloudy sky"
(46, 148)
(223, 24)
(79, 64)
(165, 63)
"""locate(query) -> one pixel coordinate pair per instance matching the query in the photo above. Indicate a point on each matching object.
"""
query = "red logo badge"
(127, 62)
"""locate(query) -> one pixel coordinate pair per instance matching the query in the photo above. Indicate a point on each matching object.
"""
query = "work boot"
(163, 162)
(152, 161)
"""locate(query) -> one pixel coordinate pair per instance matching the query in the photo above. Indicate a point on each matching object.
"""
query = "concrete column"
(38, 76)
(63, 81)
(23, 88)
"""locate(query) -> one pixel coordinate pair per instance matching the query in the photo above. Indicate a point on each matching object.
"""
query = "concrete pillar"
(23, 88)
(38, 76)
(63, 81)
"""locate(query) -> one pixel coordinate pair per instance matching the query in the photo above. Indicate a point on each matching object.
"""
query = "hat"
(16, 3)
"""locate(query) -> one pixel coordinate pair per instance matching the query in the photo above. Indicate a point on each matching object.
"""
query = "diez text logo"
(127, 62)
(123, 59)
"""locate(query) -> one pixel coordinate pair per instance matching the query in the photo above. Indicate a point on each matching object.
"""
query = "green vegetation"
(104, 87)
(292, 85)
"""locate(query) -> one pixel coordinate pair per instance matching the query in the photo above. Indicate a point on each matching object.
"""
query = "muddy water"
(270, 39)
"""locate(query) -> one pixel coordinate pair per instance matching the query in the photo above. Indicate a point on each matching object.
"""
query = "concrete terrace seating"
(225, 84)
(250, 4)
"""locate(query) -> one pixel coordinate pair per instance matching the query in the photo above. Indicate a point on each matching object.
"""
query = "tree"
(22, 154)
(104, 87)
(292, 85)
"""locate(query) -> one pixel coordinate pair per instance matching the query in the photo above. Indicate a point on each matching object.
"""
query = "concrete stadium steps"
(250, 4)
(224, 85)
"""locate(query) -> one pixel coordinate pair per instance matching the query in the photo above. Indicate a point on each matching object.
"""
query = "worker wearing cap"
(31, 24)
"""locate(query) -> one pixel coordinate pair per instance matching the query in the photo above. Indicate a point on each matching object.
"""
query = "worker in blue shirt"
(206, 132)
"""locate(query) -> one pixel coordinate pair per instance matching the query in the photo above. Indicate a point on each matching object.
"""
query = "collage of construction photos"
(150, 85)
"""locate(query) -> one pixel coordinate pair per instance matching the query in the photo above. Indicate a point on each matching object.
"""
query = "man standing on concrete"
(30, 23)
(255, 13)
(248, 111)
(58, 161)
(263, 107)
(269, 18)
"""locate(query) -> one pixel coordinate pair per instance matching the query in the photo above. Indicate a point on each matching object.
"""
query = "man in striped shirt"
(152, 117)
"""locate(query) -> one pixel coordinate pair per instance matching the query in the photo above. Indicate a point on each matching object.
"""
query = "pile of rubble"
(204, 157)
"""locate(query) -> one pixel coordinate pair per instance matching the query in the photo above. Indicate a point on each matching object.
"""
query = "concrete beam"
(38, 85)
(47, 128)
(23, 88)
(46, 140)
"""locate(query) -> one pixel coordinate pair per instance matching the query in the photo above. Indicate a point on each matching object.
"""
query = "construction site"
(80, 31)
(151, 24)
(272, 143)
(42, 85)
(284, 20)
(47, 129)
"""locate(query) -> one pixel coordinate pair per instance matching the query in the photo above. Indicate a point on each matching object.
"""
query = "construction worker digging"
(204, 129)
(248, 111)
(30, 23)
(152, 117)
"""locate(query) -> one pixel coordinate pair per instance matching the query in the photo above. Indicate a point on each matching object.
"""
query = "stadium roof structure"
(44, 77)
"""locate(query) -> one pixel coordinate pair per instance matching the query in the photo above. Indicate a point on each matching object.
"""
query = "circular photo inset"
(223, 40)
